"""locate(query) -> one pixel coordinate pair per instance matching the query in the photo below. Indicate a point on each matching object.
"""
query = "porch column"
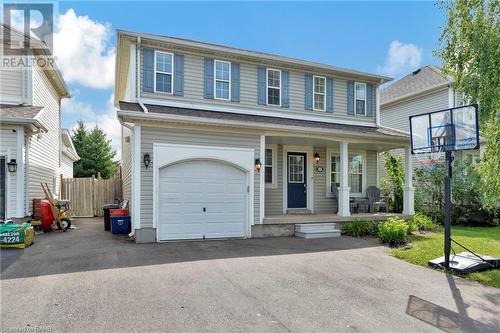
(343, 199)
(262, 179)
(408, 190)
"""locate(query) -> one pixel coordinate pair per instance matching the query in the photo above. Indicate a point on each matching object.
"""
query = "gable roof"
(67, 147)
(425, 78)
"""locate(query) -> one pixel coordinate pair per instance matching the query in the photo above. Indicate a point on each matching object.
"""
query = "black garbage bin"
(107, 220)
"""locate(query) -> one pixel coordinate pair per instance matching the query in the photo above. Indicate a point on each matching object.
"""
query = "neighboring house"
(30, 125)
(217, 139)
(424, 90)
(68, 154)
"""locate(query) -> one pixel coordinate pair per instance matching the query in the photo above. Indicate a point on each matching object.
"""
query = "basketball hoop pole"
(447, 210)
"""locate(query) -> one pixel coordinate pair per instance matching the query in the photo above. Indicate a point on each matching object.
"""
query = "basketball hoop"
(439, 133)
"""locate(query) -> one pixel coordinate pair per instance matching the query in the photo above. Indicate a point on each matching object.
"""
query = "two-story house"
(30, 123)
(219, 140)
(424, 90)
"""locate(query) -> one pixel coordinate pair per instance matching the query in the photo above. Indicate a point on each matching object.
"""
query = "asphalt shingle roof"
(419, 80)
(19, 111)
(168, 110)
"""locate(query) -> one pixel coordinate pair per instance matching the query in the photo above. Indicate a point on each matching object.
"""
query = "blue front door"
(297, 180)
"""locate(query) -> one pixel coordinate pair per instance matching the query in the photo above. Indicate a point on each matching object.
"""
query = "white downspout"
(377, 104)
(138, 74)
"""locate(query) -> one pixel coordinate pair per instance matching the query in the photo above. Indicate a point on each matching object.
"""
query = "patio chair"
(375, 202)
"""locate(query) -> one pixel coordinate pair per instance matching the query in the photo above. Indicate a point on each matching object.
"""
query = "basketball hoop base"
(466, 262)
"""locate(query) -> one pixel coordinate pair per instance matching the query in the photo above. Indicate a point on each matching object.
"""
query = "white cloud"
(401, 59)
(83, 50)
(106, 121)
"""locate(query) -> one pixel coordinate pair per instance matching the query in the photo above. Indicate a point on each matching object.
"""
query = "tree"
(95, 151)
(470, 51)
(392, 184)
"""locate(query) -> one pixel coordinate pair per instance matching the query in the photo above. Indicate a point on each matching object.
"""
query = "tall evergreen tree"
(95, 151)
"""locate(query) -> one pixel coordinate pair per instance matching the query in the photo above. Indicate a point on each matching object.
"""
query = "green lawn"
(479, 239)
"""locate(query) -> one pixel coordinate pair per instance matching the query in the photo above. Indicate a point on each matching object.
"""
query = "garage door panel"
(186, 188)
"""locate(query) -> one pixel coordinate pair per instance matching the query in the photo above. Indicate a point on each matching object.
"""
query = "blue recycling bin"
(120, 225)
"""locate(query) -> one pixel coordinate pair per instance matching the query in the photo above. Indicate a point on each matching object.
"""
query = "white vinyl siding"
(44, 151)
(126, 163)
(397, 115)
(8, 149)
(66, 166)
(11, 81)
(150, 135)
(194, 91)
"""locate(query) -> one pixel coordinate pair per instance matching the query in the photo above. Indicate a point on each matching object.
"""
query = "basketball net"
(429, 161)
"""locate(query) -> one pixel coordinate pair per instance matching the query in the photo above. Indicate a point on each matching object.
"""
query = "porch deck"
(326, 218)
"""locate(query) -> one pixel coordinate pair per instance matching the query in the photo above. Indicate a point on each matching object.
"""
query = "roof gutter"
(138, 74)
(25, 122)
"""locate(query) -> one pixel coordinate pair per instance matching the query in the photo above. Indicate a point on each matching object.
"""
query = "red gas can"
(118, 212)
(47, 217)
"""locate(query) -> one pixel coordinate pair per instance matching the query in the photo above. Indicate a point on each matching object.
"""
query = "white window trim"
(361, 99)
(161, 72)
(317, 93)
(274, 149)
(336, 151)
(215, 80)
(267, 85)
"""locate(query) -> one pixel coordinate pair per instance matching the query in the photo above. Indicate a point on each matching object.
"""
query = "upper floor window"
(163, 72)
(319, 93)
(273, 87)
(360, 98)
(222, 79)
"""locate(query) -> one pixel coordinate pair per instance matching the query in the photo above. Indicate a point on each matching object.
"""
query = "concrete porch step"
(316, 230)
(298, 211)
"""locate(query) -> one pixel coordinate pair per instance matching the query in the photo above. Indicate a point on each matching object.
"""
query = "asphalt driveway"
(89, 280)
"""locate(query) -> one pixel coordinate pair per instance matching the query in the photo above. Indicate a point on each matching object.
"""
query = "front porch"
(328, 218)
(325, 180)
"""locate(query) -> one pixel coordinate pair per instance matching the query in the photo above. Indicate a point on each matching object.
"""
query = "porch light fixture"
(316, 158)
(147, 160)
(258, 164)
(12, 165)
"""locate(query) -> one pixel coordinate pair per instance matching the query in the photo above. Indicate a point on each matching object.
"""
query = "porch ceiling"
(370, 144)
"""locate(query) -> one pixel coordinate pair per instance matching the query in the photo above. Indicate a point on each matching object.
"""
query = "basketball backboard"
(445, 130)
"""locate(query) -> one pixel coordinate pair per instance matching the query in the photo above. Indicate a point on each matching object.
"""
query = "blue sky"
(390, 38)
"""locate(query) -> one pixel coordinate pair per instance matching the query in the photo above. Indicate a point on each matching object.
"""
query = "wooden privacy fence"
(88, 195)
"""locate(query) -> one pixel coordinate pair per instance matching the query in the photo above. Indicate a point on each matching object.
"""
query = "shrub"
(392, 184)
(393, 231)
(357, 228)
(422, 222)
